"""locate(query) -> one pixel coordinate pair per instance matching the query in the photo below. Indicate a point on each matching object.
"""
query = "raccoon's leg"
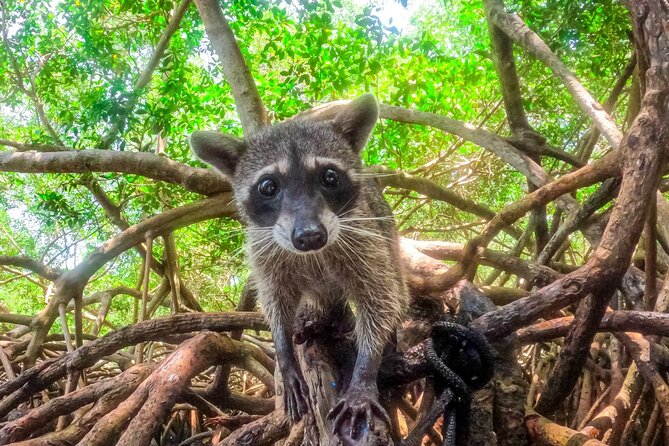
(279, 308)
(376, 318)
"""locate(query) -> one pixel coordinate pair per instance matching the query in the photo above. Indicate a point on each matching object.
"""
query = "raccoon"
(318, 229)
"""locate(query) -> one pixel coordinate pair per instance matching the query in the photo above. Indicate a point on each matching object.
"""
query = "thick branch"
(603, 195)
(17, 319)
(644, 322)
(202, 181)
(576, 349)
(155, 397)
(640, 350)
(536, 274)
(33, 265)
(262, 432)
(548, 433)
(478, 136)
(613, 416)
(505, 65)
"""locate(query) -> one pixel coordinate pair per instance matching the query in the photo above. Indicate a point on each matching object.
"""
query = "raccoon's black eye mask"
(335, 185)
(338, 189)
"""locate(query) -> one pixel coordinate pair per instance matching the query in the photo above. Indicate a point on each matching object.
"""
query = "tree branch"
(478, 136)
(202, 181)
(644, 322)
(517, 30)
(146, 408)
(33, 265)
(535, 274)
(640, 350)
(402, 180)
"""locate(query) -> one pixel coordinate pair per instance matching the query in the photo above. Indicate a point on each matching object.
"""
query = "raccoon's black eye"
(330, 178)
(268, 187)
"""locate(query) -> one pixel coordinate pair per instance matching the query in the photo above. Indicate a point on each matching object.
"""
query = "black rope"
(461, 361)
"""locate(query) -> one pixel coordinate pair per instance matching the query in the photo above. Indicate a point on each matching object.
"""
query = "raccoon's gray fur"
(318, 229)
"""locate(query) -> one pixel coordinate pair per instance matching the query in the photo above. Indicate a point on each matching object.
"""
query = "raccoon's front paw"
(357, 408)
(295, 392)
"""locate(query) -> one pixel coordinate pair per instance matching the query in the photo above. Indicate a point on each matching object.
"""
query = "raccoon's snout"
(309, 238)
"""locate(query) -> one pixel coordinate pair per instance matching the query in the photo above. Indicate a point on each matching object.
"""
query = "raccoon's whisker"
(231, 258)
(345, 213)
(230, 233)
(348, 219)
(282, 254)
(235, 230)
(374, 175)
(261, 246)
(262, 233)
(264, 238)
(261, 249)
(278, 251)
(361, 259)
(236, 253)
(317, 261)
(345, 247)
(259, 230)
(362, 232)
(346, 204)
(268, 246)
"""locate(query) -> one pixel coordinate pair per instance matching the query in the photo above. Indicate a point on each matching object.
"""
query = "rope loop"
(461, 361)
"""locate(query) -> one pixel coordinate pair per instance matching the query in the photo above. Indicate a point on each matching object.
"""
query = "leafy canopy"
(80, 59)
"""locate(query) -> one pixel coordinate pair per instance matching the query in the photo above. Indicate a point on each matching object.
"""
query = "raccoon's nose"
(309, 238)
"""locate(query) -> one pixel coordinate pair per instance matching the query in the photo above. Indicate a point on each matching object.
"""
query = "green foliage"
(81, 58)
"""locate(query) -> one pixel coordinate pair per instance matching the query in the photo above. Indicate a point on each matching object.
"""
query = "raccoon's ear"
(220, 150)
(356, 120)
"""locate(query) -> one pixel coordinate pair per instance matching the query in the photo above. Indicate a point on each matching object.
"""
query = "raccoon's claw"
(295, 391)
(358, 408)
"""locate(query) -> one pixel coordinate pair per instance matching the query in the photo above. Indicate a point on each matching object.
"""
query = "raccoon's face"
(294, 181)
(297, 179)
